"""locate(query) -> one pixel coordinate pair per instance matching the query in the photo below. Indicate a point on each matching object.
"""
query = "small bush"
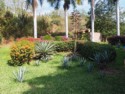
(89, 49)
(115, 40)
(62, 46)
(47, 37)
(21, 52)
(58, 38)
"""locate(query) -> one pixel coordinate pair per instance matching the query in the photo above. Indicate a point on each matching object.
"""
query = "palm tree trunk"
(35, 18)
(92, 20)
(117, 17)
(35, 23)
(66, 23)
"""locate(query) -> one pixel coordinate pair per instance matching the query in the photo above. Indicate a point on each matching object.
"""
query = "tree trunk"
(66, 23)
(35, 18)
(92, 20)
(117, 17)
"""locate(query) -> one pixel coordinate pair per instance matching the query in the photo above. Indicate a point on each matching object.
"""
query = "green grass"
(51, 78)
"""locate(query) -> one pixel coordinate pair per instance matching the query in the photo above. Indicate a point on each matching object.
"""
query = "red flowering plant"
(31, 39)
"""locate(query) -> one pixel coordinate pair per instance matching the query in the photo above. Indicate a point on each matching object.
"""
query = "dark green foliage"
(89, 49)
(115, 40)
(58, 34)
(16, 26)
(47, 37)
(104, 21)
(0, 38)
(62, 46)
(44, 25)
(58, 38)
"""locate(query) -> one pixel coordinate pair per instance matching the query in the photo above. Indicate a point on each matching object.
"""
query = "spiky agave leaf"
(44, 50)
(19, 75)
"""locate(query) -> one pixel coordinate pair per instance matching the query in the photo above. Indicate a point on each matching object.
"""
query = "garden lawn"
(51, 78)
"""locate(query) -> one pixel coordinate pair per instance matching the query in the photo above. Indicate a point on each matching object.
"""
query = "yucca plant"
(19, 75)
(90, 67)
(66, 61)
(37, 62)
(82, 61)
(44, 50)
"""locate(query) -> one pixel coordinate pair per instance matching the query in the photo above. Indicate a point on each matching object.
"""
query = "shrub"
(31, 39)
(62, 46)
(89, 49)
(21, 52)
(115, 40)
(47, 37)
(58, 38)
(58, 34)
(0, 38)
(44, 50)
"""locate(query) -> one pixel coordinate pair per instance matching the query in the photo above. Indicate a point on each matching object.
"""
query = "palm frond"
(41, 2)
(28, 3)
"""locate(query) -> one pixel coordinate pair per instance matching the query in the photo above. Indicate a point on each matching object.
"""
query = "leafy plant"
(0, 38)
(58, 38)
(116, 40)
(19, 75)
(90, 50)
(44, 50)
(47, 37)
(21, 52)
(62, 46)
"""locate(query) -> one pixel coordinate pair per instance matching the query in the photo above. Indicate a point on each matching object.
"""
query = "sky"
(46, 8)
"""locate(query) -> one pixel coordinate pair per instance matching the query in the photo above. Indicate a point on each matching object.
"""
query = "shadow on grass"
(75, 81)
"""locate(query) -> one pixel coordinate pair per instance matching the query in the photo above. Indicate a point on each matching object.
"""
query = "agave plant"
(19, 75)
(37, 62)
(82, 61)
(66, 61)
(44, 50)
(90, 67)
(98, 58)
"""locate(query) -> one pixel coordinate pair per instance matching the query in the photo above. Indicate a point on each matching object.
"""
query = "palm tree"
(116, 3)
(92, 18)
(66, 7)
(92, 3)
(34, 4)
(117, 17)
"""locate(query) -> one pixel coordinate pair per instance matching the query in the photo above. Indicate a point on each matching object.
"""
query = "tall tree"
(92, 3)
(66, 7)
(104, 22)
(116, 3)
(117, 17)
(34, 4)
